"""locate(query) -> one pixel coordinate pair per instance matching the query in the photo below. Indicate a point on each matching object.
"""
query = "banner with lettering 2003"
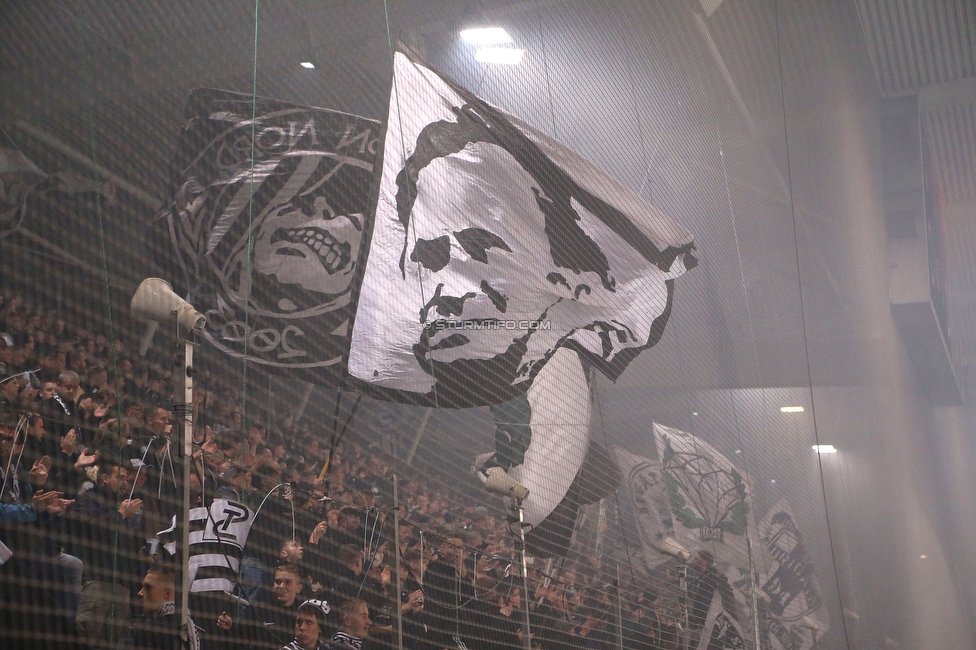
(270, 223)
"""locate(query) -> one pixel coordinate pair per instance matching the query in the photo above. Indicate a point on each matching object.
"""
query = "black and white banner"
(643, 487)
(217, 539)
(494, 246)
(795, 617)
(270, 225)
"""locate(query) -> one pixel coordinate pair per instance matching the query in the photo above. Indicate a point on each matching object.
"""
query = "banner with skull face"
(270, 225)
(494, 246)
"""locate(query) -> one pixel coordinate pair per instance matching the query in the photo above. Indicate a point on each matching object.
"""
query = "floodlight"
(485, 36)
(499, 55)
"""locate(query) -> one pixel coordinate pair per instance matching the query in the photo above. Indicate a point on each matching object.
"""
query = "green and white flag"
(710, 505)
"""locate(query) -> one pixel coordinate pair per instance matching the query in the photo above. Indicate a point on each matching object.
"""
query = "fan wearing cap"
(311, 626)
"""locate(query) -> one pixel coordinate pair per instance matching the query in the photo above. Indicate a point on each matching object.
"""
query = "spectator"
(69, 387)
(311, 626)
(108, 544)
(38, 442)
(412, 601)
(291, 552)
(355, 625)
(704, 580)
(447, 588)
(10, 387)
(348, 582)
(270, 624)
(274, 514)
(158, 628)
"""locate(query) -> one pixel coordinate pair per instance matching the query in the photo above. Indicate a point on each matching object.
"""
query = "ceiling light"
(486, 36)
(499, 55)
(825, 449)
(791, 409)
(308, 64)
(922, 556)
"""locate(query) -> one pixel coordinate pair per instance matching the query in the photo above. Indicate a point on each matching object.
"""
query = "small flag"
(217, 538)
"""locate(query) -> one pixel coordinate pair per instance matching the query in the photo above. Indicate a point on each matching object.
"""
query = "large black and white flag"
(494, 246)
(217, 538)
(794, 616)
(270, 225)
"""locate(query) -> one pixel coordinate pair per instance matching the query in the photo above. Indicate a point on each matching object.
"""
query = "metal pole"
(303, 402)
(620, 609)
(520, 543)
(755, 587)
(396, 560)
(184, 419)
(422, 558)
(683, 589)
(418, 435)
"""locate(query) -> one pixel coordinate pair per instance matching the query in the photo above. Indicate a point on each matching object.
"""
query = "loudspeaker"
(155, 300)
(670, 546)
(500, 482)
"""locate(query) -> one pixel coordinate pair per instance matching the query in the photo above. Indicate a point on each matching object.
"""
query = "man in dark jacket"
(704, 579)
(109, 546)
(159, 626)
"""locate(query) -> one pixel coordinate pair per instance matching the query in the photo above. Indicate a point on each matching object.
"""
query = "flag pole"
(396, 560)
(183, 412)
(520, 547)
(620, 609)
(755, 589)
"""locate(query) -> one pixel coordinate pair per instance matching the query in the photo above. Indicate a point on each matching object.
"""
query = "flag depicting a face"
(493, 246)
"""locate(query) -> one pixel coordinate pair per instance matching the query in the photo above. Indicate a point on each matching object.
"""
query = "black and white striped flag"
(217, 538)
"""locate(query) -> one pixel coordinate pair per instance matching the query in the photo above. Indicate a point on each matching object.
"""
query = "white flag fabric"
(493, 245)
(217, 539)
(643, 486)
(795, 616)
(710, 505)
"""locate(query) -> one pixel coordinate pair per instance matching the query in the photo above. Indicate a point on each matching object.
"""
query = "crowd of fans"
(89, 482)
